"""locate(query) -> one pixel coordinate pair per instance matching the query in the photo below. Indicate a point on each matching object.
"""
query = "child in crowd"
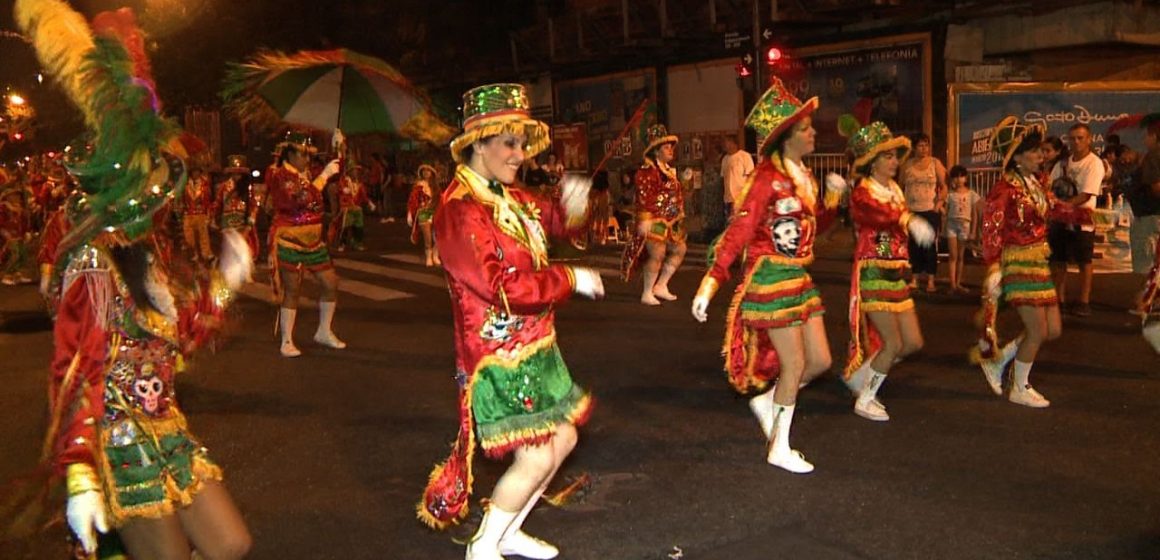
(962, 223)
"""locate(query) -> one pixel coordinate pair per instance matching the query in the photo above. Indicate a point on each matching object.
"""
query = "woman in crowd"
(883, 325)
(774, 328)
(924, 181)
(659, 221)
(1015, 251)
(421, 211)
(516, 395)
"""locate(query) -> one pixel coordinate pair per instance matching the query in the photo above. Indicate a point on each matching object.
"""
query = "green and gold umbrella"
(330, 90)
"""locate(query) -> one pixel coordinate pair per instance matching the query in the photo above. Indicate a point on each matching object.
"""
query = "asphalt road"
(326, 454)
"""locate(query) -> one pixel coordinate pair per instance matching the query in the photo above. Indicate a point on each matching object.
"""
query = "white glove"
(992, 286)
(330, 170)
(237, 262)
(701, 308)
(574, 195)
(836, 183)
(373, 207)
(85, 512)
(920, 231)
(588, 282)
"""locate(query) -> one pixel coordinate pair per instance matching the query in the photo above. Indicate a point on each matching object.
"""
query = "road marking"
(405, 258)
(395, 273)
(263, 292)
(370, 291)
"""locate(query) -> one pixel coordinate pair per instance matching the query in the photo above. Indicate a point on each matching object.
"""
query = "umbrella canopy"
(328, 90)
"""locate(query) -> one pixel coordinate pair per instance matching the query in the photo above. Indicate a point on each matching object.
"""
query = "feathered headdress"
(136, 161)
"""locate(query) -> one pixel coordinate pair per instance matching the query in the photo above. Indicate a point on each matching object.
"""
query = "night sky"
(446, 45)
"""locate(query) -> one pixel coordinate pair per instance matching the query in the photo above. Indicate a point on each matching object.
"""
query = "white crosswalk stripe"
(427, 279)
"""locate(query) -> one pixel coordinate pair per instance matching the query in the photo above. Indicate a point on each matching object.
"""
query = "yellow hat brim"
(670, 139)
(536, 132)
(802, 112)
(896, 143)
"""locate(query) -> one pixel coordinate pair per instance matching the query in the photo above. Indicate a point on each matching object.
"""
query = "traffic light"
(18, 136)
(745, 66)
(773, 55)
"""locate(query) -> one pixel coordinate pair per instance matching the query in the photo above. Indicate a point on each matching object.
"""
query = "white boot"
(762, 407)
(485, 544)
(858, 379)
(661, 288)
(324, 335)
(1021, 390)
(780, 454)
(867, 406)
(1152, 335)
(430, 256)
(994, 368)
(286, 317)
(646, 296)
(518, 543)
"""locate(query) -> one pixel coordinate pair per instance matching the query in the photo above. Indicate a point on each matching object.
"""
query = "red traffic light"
(743, 71)
(18, 136)
(773, 55)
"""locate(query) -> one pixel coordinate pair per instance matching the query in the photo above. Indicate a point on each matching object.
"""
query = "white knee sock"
(1021, 371)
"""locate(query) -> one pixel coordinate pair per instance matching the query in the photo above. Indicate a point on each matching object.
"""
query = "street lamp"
(15, 99)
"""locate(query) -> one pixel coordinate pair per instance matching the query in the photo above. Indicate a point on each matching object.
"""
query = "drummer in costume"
(421, 211)
(660, 219)
(235, 205)
(774, 328)
(1015, 251)
(297, 244)
(516, 395)
(883, 325)
(126, 322)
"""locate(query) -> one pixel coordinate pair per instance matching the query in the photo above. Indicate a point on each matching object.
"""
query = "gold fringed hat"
(1009, 134)
(776, 111)
(658, 135)
(236, 163)
(876, 138)
(428, 167)
(300, 140)
(496, 109)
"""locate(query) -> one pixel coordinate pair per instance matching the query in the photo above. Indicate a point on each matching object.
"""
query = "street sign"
(766, 33)
(737, 40)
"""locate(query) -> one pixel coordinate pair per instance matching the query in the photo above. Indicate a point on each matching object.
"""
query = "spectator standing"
(1080, 177)
(1143, 195)
(962, 224)
(1054, 151)
(924, 181)
(736, 166)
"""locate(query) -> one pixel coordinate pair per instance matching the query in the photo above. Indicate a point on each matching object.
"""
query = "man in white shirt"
(736, 166)
(1069, 244)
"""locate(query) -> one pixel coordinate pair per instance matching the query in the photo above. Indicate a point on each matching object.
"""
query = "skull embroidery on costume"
(148, 391)
(787, 235)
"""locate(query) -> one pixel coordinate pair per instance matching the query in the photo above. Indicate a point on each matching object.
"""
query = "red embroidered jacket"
(880, 215)
(420, 198)
(295, 199)
(113, 359)
(1017, 212)
(198, 199)
(777, 219)
(658, 194)
(493, 244)
(351, 194)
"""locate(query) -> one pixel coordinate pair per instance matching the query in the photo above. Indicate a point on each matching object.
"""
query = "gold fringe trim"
(782, 313)
(535, 131)
(508, 438)
(1036, 252)
(885, 263)
(1039, 294)
(893, 307)
(779, 286)
(1031, 270)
